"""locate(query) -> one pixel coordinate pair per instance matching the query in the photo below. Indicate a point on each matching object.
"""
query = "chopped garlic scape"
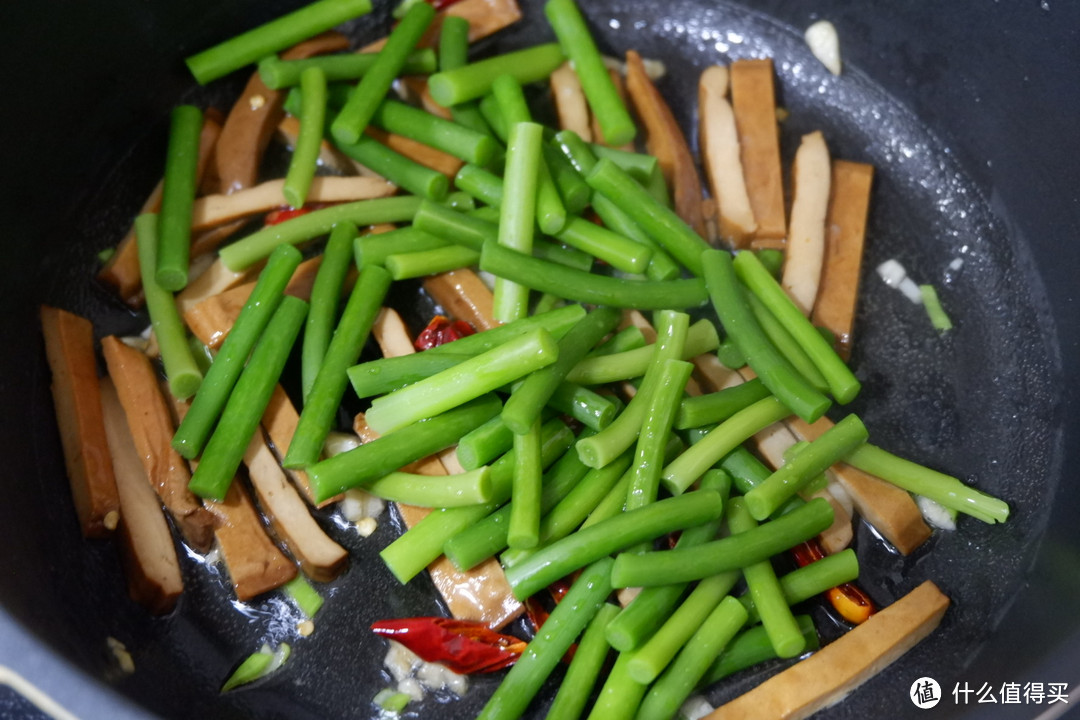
(825, 44)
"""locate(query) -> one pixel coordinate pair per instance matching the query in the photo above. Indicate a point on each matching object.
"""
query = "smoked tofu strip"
(216, 280)
(570, 103)
(256, 114)
(319, 556)
(151, 425)
(665, 140)
(753, 98)
(485, 17)
(213, 210)
(211, 319)
(418, 152)
(255, 563)
(146, 542)
(844, 664)
(463, 295)
(845, 233)
(720, 157)
(806, 233)
(69, 348)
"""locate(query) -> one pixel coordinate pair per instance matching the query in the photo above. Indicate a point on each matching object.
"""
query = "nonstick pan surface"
(964, 111)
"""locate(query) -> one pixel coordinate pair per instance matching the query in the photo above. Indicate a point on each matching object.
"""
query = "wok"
(966, 108)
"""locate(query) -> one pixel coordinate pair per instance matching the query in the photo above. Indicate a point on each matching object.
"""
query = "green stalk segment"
(373, 249)
(258, 245)
(278, 74)
(647, 612)
(678, 682)
(604, 100)
(718, 406)
(701, 338)
(517, 215)
(248, 401)
(469, 488)
(349, 125)
(325, 298)
(752, 646)
(768, 364)
(454, 53)
(321, 404)
(560, 558)
(465, 381)
(402, 171)
(764, 588)
(181, 369)
(620, 252)
(834, 444)
(473, 81)
(661, 223)
(524, 524)
(725, 437)
(581, 286)
(563, 626)
(730, 553)
(620, 695)
(424, 542)
(405, 266)
(526, 402)
(229, 361)
(305, 157)
(276, 35)
(939, 487)
(450, 137)
(366, 463)
(177, 198)
(581, 676)
(810, 580)
(842, 382)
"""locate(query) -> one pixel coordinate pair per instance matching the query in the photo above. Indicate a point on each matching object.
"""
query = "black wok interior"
(967, 109)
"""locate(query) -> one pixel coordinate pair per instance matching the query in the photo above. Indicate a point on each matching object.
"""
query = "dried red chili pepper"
(275, 217)
(851, 601)
(442, 330)
(464, 646)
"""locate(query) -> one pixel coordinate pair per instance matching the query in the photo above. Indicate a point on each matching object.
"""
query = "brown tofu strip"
(69, 349)
(122, 270)
(216, 280)
(319, 556)
(418, 152)
(666, 141)
(256, 115)
(843, 665)
(151, 425)
(806, 233)
(279, 421)
(753, 98)
(146, 542)
(845, 232)
(255, 564)
(211, 319)
(891, 511)
(485, 17)
(214, 210)
(463, 296)
(720, 157)
(570, 103)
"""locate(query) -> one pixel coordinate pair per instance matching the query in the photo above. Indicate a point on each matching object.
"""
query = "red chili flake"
(442, 330)
(275, 217)
(464, 646)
